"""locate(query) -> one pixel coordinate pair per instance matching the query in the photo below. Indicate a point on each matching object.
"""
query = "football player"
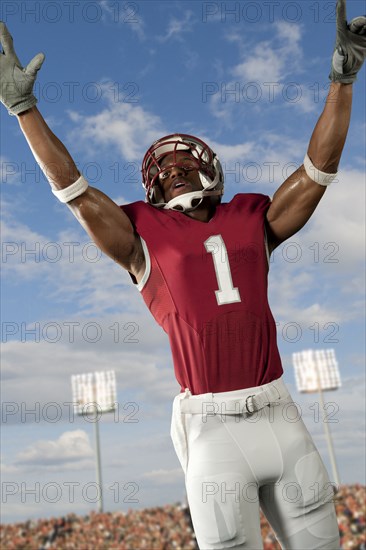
(201, 267)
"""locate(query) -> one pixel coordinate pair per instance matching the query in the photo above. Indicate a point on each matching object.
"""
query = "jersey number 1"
(227, 294)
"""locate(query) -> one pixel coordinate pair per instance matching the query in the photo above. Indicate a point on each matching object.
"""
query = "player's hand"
(350, 47)
(16, 82)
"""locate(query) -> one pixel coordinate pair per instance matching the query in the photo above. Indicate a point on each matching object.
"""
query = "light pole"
(95, 393)
(317, 370)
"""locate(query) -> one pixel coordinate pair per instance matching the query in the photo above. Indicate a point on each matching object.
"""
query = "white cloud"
(9, 171)
(71, 267)
(340, 219)
(177, 27)
(233, 153)
(162, 477)
(272, 61)
(28, 376)
(289, 32)
(317, 276)
(264, 65)
(128, 128)
(8, 468)
(261, 75)
(125, 14)
(266, 159)
(71, 446)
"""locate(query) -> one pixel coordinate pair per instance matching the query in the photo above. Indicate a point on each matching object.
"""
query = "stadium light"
(317, 370)
(95, 394)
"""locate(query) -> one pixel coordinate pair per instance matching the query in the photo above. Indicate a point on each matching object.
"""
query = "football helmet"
(203, 159)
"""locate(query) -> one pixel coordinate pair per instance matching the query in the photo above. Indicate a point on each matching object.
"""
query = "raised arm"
(296, 199)
(104, 221)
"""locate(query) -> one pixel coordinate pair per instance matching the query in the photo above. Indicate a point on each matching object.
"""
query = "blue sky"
(250, 78)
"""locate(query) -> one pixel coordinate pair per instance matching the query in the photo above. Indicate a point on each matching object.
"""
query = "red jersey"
(206, 286)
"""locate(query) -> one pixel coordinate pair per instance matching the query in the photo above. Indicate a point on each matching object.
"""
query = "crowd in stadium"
(351, 514)
(160, 528)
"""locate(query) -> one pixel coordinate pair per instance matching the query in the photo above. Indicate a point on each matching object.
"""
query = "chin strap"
(188, 201)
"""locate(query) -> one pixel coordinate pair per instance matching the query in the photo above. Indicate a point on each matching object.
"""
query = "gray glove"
(16, 83)
(350, 47)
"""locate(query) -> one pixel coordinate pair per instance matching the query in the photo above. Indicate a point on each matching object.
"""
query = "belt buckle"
(246, 404)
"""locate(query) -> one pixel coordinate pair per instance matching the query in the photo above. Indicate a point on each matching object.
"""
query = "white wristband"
(72, 191)
(316, 175)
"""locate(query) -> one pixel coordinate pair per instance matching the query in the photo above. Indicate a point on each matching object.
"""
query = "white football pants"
(236, 460)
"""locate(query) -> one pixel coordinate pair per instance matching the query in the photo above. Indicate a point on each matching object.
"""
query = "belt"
(246, 401)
